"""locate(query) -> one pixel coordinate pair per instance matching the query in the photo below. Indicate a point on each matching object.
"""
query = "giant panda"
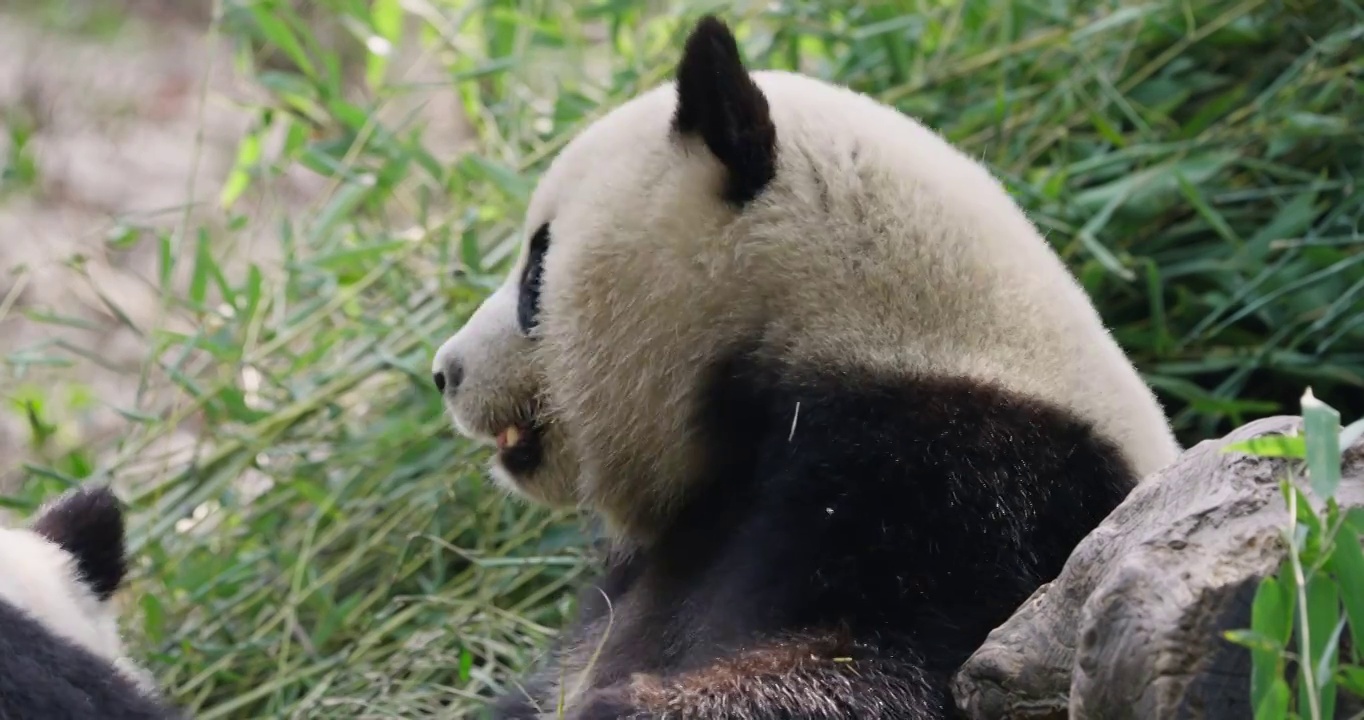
(61, 657)
(838, 406)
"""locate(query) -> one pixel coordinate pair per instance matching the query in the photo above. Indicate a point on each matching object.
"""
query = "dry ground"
(129, 127)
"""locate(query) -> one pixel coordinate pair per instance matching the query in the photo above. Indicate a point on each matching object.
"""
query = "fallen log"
(1133, 626)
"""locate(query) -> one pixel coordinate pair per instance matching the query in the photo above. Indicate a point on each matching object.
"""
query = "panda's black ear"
(88, 523)
(718, 100)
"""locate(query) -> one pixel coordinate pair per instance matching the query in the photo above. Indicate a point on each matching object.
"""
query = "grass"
(329, 550)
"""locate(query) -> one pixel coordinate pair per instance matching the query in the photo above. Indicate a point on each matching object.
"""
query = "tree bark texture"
(1133, 626)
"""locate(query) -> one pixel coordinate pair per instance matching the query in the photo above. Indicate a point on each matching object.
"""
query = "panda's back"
(882, 247)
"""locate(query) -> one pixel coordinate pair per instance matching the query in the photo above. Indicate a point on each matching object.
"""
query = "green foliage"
(334, 551)
(18, 170)
(1318, 592)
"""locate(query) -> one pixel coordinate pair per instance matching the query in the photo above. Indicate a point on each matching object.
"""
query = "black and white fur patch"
(61, 657)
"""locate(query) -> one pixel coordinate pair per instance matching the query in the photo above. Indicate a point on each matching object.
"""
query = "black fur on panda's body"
(46, 677)
(890, 522)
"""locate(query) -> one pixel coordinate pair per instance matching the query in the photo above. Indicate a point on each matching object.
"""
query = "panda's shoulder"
(43, 674)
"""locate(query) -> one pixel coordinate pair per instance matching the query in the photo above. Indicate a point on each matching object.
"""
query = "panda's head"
(64, 568)
(770, 215)
(579, 368)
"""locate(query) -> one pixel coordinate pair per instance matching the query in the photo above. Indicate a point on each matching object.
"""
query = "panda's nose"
(449, 377)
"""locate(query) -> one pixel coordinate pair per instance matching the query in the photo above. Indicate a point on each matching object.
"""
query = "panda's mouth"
(509, 437)
(519, 448)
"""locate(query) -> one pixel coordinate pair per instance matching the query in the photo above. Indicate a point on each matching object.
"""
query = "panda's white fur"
(648, 274)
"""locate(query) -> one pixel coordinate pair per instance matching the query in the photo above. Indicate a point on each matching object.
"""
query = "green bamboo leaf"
(1347, 565)
(1321, 425)
(1293, 446)
(1271, 623)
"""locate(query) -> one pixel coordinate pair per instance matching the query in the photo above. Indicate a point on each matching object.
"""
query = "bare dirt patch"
(109, 140)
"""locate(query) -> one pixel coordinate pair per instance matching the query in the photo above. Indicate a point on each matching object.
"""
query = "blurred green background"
(232, 234)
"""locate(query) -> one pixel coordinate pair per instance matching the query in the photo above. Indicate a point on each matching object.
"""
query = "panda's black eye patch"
(528, 300)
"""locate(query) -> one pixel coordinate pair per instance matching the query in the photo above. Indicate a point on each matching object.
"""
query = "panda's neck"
(855, 499)
(734, 417)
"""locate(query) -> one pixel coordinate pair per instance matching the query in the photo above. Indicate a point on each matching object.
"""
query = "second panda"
(61, 656)
(839, 406)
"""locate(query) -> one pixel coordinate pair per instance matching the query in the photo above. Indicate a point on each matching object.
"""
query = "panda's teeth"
(508, 438)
